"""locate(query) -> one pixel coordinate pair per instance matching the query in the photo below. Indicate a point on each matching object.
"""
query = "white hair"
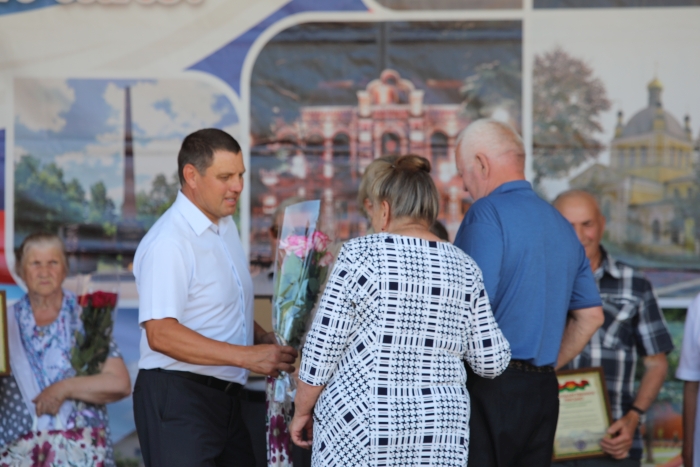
(492, 135)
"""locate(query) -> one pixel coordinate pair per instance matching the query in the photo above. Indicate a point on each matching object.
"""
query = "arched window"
(341, 145)
(643, 150)
(656, 231)
(438, 145)
(391, 144)
(287, 147)
(314, 146)
(341, 156)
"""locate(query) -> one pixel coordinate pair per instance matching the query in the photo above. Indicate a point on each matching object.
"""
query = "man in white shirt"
(689, 371)
(196, 314)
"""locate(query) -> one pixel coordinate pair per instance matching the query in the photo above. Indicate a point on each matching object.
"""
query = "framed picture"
(584, 414)
(4, 347)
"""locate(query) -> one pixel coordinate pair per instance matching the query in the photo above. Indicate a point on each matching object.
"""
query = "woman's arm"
(325, 345)
(303, 421)
(110, 385)
(488, 351)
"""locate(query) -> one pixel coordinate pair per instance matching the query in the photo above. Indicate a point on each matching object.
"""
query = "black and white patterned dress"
(398, 318)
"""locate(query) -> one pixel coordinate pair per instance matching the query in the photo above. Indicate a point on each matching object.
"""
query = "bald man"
(541, 290)
(634, 327)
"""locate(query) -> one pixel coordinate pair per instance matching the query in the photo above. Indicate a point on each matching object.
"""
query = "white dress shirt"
(689, 366)
(195, 271)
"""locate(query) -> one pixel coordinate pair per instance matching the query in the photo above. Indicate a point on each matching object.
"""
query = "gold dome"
(655, 83)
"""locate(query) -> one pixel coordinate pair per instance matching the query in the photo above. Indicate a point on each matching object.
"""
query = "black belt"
(228, 387)
(525, 366)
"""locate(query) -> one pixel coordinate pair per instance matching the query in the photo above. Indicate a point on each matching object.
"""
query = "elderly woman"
(43, 392)
(382, 379)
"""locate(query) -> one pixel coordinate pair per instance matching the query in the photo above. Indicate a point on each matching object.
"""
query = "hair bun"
(413, 163)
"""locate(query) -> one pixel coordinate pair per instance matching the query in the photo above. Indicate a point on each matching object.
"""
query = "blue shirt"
(535, 269)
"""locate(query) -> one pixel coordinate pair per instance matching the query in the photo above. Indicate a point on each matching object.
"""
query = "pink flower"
(73, 435)
(326, 259)
(296, 244)
(99, 437)
(320, 241)
(279, 436)
(43, 456)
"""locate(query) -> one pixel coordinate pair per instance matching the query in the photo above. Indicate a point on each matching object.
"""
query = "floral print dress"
(48, 350)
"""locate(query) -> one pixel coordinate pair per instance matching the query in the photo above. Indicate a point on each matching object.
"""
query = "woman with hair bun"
(382, 378)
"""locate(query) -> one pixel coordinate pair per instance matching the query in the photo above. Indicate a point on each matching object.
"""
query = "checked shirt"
(634, 327)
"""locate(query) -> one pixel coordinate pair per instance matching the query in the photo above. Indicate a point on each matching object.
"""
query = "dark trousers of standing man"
(513, 417)
(187, 421)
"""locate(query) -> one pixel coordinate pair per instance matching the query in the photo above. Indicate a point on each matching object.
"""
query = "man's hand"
(49, 401)
(261, 336)
(269, 359)
(622, 435)
(267, 338)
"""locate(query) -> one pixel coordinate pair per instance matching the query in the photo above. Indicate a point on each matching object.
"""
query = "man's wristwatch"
(642, 413)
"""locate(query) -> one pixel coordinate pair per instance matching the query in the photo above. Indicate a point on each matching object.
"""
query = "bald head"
(577, 197)
(581, 209)
(489, 153)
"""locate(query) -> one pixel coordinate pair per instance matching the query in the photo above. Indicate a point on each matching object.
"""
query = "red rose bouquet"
(92, 345)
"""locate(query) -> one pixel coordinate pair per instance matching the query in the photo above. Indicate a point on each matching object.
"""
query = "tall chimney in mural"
(129, 206)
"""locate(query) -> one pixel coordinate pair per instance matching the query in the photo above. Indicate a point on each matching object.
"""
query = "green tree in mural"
(100, 209)
(151, 205)
(567, 102)
(101, 206)
(43, 200)
(494, 85)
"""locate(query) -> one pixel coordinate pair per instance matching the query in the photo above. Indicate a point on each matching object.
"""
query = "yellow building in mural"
(650, 178)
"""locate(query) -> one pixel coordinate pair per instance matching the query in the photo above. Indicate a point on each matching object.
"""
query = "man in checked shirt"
(634, 327)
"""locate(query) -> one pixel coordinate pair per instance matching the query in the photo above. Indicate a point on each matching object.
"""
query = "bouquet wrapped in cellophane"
(302, 263)
(92, 345)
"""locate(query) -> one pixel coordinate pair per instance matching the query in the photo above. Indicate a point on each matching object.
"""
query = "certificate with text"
(584, 414)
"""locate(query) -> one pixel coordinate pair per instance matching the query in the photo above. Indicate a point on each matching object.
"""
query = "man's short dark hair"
(198, 149)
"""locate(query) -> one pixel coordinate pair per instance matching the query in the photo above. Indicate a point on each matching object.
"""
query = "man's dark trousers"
(513, 418)
(183, 423)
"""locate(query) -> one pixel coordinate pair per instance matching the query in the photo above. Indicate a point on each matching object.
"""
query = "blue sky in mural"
(79, 125)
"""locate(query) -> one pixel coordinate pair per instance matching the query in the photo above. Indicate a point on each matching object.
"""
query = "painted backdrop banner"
(96, 96)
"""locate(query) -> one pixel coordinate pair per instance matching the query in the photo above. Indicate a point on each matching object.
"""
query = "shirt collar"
(512, 186)
(607, 264)
(196, 218)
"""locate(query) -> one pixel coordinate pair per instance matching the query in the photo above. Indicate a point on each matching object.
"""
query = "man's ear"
(483, 167)
(190, 173)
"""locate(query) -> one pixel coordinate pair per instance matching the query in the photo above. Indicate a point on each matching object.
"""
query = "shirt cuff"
(581, 306)
(310, 380)
(687, 374)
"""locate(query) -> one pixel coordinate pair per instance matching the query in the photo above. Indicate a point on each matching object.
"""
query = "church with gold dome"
(645, 190)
